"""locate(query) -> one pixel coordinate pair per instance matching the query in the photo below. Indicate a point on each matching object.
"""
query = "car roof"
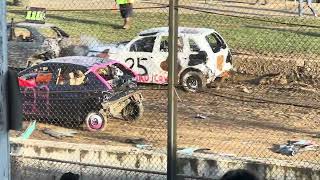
(35, 25)
(181, 30)
(80, 60)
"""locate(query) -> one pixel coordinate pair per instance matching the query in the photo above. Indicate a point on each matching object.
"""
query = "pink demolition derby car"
(76, 90)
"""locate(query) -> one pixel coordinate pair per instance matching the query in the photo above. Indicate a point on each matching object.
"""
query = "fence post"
(172, 99)
(4, 142)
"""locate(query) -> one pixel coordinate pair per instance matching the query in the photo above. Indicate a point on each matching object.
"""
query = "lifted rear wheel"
(193, 81)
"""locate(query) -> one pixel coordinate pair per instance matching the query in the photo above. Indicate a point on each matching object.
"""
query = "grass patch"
(240, 33)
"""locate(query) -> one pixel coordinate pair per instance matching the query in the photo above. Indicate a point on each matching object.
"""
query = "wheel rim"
(192, 82)
(95, 122)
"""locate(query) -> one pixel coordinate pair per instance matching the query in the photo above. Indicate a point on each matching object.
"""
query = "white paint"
(143, 62)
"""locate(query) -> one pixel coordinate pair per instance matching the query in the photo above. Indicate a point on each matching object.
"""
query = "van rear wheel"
(193, 81)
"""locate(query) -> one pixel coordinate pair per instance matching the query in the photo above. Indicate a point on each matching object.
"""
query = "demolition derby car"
(28, 43)
(203, 55)
(79, 90)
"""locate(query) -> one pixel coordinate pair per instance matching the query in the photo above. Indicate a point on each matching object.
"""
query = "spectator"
(126, 10)
(301, 7)
(258, 2)
(239, 174)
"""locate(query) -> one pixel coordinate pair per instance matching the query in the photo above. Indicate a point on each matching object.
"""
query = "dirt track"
(244, 124)
(239, 123)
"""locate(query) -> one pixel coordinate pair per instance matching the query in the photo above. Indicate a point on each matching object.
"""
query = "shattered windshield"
(116, 75)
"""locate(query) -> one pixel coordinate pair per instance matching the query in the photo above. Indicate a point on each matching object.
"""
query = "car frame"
(199, 61)
(105, 88)
(27, 44)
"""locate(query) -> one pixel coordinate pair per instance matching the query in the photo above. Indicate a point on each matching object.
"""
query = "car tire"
(95, 122)
(193, 81)
(133, 111)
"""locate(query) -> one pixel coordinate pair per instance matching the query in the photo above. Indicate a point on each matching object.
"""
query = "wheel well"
(186, 71)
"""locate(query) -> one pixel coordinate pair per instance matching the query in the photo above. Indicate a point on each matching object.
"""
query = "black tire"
(95, 122)
(193, 81)
(133, 111)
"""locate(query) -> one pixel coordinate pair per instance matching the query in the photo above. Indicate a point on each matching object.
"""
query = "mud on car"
(31, 43)
(74, 91)
(203, 55)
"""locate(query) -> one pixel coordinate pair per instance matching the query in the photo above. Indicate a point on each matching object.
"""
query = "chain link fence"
(247, 94)
(253, 117)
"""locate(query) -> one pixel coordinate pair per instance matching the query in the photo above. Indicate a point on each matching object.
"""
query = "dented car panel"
(200, 50)
(27, 40)
(72, 87)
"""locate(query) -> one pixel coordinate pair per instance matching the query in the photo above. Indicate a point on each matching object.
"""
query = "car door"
(161, 60)
(69, 92)
(22, 45)
(139, 57)
(217, 53)
(37, 99)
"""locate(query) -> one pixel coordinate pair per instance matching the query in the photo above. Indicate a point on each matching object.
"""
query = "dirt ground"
(243, 118)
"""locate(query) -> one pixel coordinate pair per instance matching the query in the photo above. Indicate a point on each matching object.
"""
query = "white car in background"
(203, 55)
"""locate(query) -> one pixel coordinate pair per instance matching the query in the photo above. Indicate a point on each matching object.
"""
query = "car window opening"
(73, 78)
(164, 44)
(21, 35)
(193, 46)
(41, 76)
(143, 45)
(215, 42)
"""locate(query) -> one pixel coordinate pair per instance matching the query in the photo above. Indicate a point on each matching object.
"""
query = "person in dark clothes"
(239, 174)
(309, 5)
(126, 11)
(70, 176)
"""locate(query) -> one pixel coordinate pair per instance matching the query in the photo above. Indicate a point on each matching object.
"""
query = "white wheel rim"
(95, 122)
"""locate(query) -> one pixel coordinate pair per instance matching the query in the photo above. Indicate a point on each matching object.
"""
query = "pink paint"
(143, 79)
(157, 78)
(26, 83)
(46, 94)
(33, 107)
(41, 91)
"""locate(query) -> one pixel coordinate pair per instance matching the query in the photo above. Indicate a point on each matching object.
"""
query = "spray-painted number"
(132, 62)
